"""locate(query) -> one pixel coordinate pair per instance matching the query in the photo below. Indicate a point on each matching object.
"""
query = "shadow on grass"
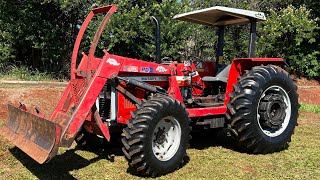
(213, 138)
(134, 172)
(203, 139)
(61, 165)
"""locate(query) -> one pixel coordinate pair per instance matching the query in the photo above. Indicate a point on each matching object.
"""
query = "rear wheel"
(157, 136)
(263, 109)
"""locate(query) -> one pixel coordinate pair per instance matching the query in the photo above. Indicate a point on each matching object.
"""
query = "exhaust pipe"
(157, 41)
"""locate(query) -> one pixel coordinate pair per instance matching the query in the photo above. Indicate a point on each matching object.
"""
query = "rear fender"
(240, 65)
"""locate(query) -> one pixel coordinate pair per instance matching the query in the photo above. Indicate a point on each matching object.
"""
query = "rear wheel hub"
(160, 136)
(166, 138)
(272, 110)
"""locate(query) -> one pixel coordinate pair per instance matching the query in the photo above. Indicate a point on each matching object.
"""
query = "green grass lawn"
(310, 108)
(208, 159)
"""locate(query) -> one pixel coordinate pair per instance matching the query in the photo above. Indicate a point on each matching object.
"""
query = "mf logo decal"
(161, 69)
(113, 62)
(131, 68)
(147, 69)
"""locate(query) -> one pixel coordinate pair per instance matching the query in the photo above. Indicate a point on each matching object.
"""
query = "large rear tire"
(157, 136)
(263, 109)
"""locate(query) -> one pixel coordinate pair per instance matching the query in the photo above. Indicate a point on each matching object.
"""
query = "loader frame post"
(109, 10)
(253, 39)
(220, 46)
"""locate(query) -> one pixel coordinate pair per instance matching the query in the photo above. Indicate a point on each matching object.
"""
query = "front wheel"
(157, 136)
(263, 109)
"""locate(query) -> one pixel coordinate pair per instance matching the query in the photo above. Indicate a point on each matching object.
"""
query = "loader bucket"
(36, 136)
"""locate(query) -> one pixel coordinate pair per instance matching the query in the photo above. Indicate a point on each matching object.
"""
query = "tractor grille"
(128, 103)
(105, 102)
(104, 108)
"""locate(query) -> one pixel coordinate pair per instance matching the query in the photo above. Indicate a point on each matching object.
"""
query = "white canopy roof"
(221, 16)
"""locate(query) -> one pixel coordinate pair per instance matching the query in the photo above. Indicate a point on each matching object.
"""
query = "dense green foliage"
(39, 35)
(132, 29)
(292, 34)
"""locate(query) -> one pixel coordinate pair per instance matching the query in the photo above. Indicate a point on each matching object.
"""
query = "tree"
(236, 37)
(40, 34)
(291, 34)
(131, 30)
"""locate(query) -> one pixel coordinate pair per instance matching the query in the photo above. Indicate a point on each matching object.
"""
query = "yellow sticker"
(220, 59)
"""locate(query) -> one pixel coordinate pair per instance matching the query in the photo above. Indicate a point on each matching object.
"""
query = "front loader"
(155, 104)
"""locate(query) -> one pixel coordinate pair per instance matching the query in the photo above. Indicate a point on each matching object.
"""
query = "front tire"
(157, 136)
(91, 141)
(263, 109)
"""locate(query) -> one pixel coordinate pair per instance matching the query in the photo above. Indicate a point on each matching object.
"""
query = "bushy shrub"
(291, 33)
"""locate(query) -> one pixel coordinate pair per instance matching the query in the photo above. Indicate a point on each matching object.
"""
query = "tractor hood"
(221, 16)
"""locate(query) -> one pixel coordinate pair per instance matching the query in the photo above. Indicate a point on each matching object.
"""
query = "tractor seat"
(222, 75)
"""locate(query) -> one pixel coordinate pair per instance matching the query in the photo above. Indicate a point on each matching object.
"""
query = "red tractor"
(156, 104)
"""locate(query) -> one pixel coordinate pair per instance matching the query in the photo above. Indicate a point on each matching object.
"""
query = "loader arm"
(92, 91)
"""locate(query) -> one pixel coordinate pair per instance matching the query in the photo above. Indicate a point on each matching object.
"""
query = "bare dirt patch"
(306, 82)
(309, 95)
(43, 97)
(309, 90)
(309, 118)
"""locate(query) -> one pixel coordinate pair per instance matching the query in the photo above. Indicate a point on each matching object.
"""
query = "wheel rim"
(274, 111)
(166, 138)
